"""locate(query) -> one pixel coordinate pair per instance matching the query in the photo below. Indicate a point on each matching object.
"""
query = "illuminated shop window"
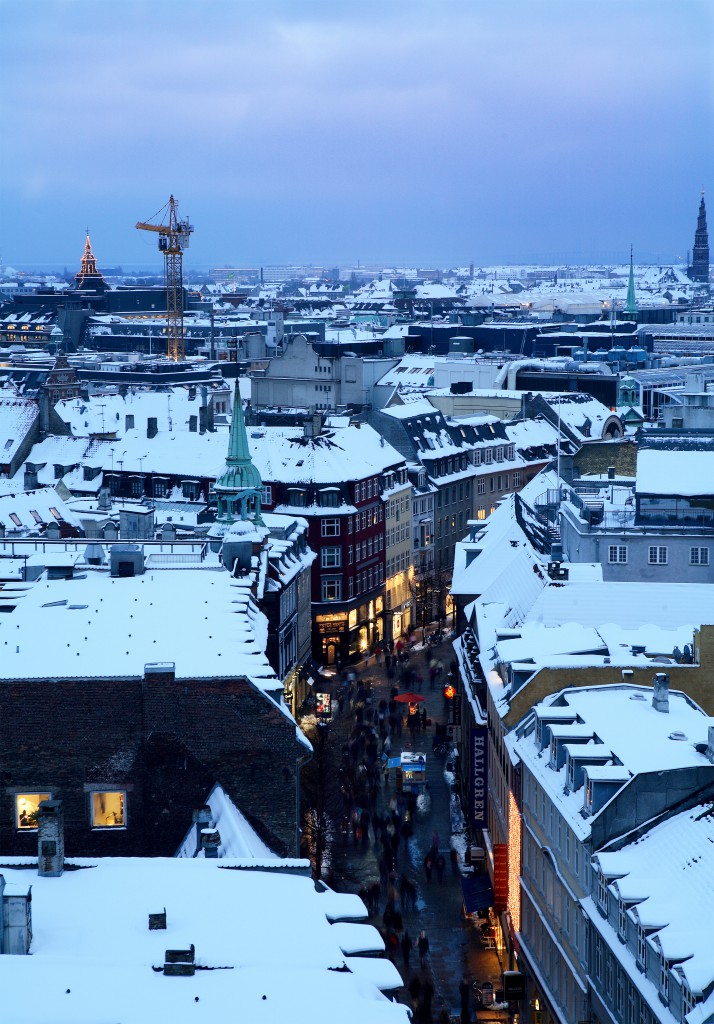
(26, 808)
(107, 809)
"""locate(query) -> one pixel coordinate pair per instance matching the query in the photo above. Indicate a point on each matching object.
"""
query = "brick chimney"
(660, 693)
(50, 839)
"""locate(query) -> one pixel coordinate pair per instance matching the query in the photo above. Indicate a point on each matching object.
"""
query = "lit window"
(108, 809)
(26, 807)
(296, 497)
(331, 588)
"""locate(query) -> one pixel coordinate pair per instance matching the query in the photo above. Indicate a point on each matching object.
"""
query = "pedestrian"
(423, 719)
(440, 865)
(465, 996)
(392, 944)
(407, 946)
(415, 989)
(423, 947)
(428, 865)
(454, 858)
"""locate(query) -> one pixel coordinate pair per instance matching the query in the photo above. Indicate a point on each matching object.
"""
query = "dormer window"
(622, 920)
(296, 497)
(488, 455)
(663, 978)
(602, 893)
(641, 948)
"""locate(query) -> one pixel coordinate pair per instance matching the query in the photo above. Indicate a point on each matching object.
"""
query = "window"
(481, 487)
(108, 809)
(296, 497)
(488, 455)
(699, 556)
(617, 554)
(331, 558)
(330, 528)
(331, 588)
(159, 488)
(664, 978)
(620, 992)
(330, 497)
(657, 555)
(137, 487)
(516, 479)
(267, 495)
(602, 893)
(26, 807)
(15, 518)
(622, 919)
(641, 948)
(499, 455)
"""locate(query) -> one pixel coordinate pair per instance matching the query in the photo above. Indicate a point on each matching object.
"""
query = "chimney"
(201, 819)
(210, 841)
(202, 419)
(30, 478)
(105, 502)
(129, 421)
(152, 426)
(709, 752)
(50, 839)
(660, 693)
(193, 424)
(611, 472)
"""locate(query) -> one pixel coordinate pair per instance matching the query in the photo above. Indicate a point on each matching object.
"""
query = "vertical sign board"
(500, 876)
(479, 776)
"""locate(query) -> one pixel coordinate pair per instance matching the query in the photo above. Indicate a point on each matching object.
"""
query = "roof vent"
(678, 735)
(637, 696)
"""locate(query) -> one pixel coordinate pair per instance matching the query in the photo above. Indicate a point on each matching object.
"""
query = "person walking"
(465, 996)
(423, 947)
(407, 946)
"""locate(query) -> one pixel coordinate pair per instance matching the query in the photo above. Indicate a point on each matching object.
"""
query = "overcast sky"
(407, 131)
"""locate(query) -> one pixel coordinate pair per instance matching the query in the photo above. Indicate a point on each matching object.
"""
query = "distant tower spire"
(699, 270)
(239, 488)
(631, 304)
(89, 277)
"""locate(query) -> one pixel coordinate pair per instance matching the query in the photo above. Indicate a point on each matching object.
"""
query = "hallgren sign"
(479, 776)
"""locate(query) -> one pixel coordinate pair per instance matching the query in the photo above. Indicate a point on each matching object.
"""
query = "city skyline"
(395, 134)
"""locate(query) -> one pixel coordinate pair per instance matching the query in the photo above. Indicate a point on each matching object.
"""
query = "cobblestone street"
(456, 945)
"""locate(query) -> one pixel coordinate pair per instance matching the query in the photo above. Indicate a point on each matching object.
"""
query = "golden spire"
(88, 276)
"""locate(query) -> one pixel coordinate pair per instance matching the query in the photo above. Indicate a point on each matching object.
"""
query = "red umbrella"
(409, 698)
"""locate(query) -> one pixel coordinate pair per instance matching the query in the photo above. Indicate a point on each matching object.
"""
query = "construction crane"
(174, 237)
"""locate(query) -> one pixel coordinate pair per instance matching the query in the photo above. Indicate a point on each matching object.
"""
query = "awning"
(477, 892)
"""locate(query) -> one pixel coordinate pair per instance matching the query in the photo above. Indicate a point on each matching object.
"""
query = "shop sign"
(479, 776)
(500, 877)
(323, 706)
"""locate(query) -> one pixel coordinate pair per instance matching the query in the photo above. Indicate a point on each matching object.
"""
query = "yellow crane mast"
(174, 237)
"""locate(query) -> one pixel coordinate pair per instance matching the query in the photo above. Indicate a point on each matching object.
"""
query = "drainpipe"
(300, 763)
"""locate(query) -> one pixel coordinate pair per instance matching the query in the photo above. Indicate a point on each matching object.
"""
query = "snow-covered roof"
(623, 723)
(106, 414)
(284, 454)
(268, 929)
(675, 473)
(17, 417)
(238, 838)
(667, 874)
(203, 620)
(32, 511)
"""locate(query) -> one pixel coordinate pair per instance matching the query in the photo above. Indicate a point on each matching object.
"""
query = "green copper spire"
(631, 305)
(239, 487)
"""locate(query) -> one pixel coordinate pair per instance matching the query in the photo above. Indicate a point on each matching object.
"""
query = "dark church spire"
(699, 270)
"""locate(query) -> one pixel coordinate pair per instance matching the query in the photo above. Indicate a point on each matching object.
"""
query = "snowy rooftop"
(203, 620)
(270, 931)
(285, 455)
(675, 473)
(615, 720)
(17, 416)
(667, 874)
